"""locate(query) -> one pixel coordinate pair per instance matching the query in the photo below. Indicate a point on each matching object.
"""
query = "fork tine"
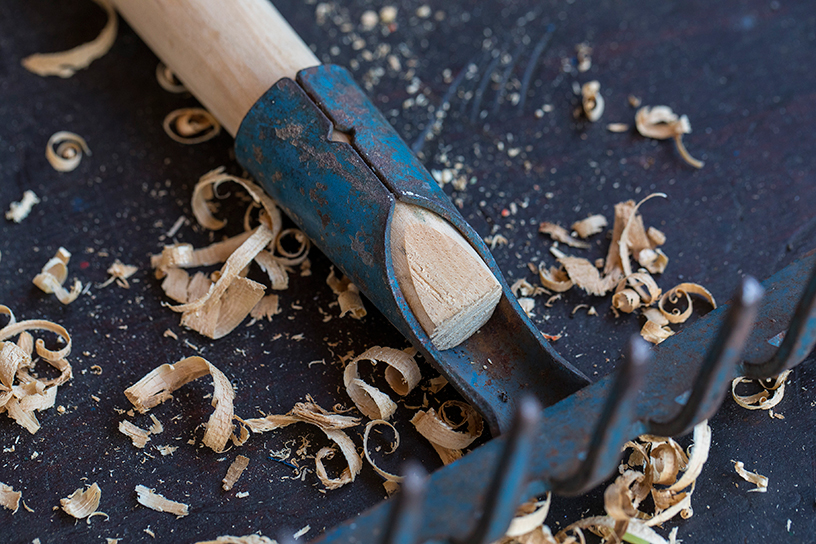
(405, 519)
(717, 369)
(510, 477)
(799, 340)
(614, 426)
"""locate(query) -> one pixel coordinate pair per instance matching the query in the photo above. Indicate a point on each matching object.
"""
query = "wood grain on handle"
(227, 54)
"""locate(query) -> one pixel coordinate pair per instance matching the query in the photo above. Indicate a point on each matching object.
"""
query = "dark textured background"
(741, 70)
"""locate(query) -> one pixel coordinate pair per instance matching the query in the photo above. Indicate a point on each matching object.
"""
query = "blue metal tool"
(343, 195)
(578, 441)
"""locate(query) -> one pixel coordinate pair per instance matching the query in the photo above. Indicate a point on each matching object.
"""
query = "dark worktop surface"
(743, 71)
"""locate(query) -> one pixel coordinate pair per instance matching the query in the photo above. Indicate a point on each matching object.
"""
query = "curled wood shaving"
(82, 503)
(348, 296)
(120, 273)
(149, 498)
(9, 498)
(656, 467)
(331, 425)
(66, 63)
(635, 290)
(168, 80)
(528, 305)
(138, 436)
(53, 275)
(529, 517)
(234, 472)
(760, 481)
(20, 210)
(30, 393)
(661, 123)
(402, 374)
(441, 431)
(633, 236)
(589, 226)
(583, 53)
(370, 425)
(191, 125)
(158, 385)
(267, 307)
(654, 333)
(673, 296)
(586, 276)
(523, 288)
(617, 127)
(555, 279)
(215, 308)
(64, 150)
(592, 101)
(773, 390)
(560, 234)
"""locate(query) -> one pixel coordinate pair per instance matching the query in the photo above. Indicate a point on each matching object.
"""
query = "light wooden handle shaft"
(226, 53)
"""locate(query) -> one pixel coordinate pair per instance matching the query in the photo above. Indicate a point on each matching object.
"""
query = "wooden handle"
(448, 286)
(226, 53)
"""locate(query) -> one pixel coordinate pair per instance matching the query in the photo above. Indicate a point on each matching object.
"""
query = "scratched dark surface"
(742, 72)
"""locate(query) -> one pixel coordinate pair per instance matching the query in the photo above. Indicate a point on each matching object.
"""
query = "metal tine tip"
(612, 428)
(717, 369)
(510, 477)
(405, 518)
(799, 339)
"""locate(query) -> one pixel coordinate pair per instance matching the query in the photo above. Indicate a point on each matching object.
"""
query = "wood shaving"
(138, 436)
(302, 532)
(65, 64)
(82, 503)
(348, 296)
(53, 275)
(441, 431)
(168, 80)
(555, 279)
(617, 127)
(215, 307)
(527, 305)
(673, 296)
(248, 539)
(560, 234)
(120, 273)
(589, 226)
(331, 424)
(633, 236)
(64, 150)
(20, 210)
(773, 391)
(523, 288)
(158, 385)
(267, 307)
(387, 475)
(583, 53)
(635, 290)
(402, 374)
(234, 472)
(20, 400)
(191, 125)
(9, 499)
(760, 481)
(592, 101)
(661, 123)
(149, 498)
(529, 517)
(586, 276)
